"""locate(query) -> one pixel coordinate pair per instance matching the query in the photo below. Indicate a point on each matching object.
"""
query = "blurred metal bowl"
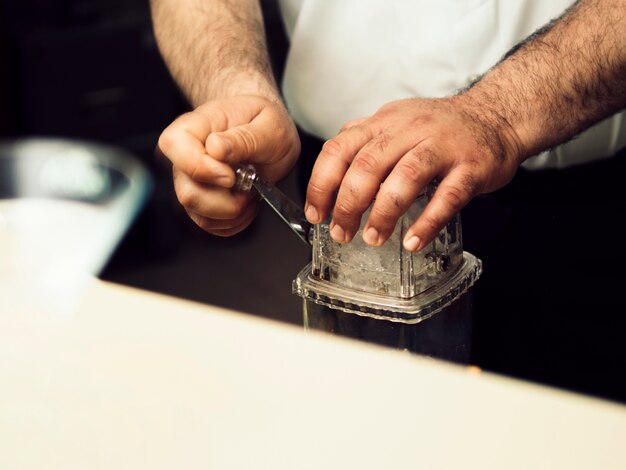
(65, 205)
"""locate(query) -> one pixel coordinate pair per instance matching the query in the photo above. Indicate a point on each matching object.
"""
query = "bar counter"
(123, 378)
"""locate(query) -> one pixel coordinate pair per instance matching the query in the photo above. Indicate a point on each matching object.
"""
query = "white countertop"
(130, 379)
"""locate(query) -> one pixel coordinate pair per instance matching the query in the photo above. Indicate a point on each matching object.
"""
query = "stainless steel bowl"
(65, 205)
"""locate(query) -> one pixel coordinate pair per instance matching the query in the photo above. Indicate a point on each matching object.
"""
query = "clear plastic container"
(389, 282)
(446, 335)
(390, 286)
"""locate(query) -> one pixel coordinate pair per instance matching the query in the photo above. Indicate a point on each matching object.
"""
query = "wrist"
(229, 82)
(483, 108)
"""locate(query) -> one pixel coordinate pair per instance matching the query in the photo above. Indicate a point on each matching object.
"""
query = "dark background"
(90, 69)
(550, 306)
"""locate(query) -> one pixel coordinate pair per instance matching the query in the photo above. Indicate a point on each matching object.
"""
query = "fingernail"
(412, 243)
(338, 233)
(371, 236)
(312, 215)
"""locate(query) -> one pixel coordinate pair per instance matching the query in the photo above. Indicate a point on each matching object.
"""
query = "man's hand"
(392, 155)
(204, 144)
(558, 82)
(216, 52)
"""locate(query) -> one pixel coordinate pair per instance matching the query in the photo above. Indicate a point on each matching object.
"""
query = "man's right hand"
(204, 144)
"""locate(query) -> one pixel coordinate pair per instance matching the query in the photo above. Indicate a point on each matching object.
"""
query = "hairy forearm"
(214, 48)
(562, 80)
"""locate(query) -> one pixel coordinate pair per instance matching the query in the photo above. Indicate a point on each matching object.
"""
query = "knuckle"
(423, 156)
(388, 208)
(417, 163)
(385, 212)
(454, 197)
(381, 142)
(366, 162)
(187, 197)
(332, 146)
(471, 160)
(470, 183)
(348, 124)
(409, 170)
(166, 141)
(315, 191)
(353, 190)
(394, 201)
(386, 109)
(344, 208)
(432, 222)
(196, 168)
(359, 130)
(362, 130)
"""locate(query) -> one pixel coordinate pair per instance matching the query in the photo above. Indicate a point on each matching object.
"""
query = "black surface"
(550, 306)
(86, 69)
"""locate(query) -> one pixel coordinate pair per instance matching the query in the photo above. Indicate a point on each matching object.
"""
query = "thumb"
(248, 143)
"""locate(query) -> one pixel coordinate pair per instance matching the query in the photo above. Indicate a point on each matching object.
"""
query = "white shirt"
(349, 57)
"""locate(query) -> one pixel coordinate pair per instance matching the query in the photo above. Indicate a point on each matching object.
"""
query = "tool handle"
(289, 211)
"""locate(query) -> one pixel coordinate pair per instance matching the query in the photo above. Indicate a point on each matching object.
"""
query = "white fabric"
(349, 57)
(290, 9)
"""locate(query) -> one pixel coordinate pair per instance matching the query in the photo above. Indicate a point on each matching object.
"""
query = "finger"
(262, 140)
(204, 224)
(405, 182)
(226, 227)
(362, 181)
(232, 231)
(182, 142)
(354, 122)
(209, 201)
(330, 168)
(454, 192)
